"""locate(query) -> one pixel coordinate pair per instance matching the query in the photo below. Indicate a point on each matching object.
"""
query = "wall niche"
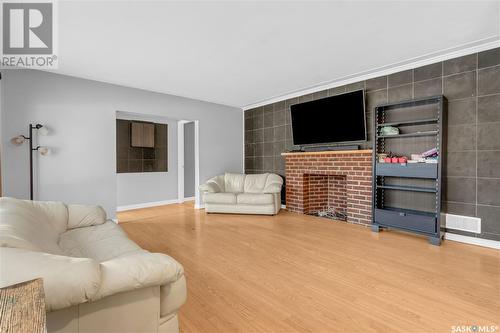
(141, 146)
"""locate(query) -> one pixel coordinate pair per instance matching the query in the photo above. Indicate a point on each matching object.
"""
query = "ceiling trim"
(446, 54)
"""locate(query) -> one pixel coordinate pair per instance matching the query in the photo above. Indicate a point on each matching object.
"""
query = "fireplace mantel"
(327, 152)
(341, 180)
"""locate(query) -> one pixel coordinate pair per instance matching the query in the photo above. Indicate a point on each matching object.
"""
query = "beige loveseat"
(95, 278)
(243, 194)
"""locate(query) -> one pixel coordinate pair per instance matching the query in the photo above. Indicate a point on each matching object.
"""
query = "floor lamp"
(20, 139)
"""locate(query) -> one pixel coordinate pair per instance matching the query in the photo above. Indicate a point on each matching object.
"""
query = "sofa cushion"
(255, 183)
(234, 182)
(220, 198)
(255, 199)
(101, 242)
(27, 225)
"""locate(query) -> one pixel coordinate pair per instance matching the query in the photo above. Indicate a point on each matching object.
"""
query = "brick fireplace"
(316, 181)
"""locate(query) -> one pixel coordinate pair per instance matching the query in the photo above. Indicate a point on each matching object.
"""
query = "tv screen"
(333, 119)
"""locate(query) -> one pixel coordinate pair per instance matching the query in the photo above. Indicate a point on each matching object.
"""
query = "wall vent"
(464, 223)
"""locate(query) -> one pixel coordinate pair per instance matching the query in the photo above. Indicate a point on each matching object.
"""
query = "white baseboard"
(189, 199)
(473, 240)
(146, 205)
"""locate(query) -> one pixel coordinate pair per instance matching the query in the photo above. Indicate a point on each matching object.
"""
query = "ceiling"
(242, 53)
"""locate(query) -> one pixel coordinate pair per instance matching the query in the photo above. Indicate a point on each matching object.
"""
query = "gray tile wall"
(472, 86)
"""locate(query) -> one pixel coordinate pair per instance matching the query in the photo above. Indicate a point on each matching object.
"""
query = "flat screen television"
(331, 120)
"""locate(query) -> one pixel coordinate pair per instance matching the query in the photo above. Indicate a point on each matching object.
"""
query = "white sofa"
(243, 194)
(95, 278)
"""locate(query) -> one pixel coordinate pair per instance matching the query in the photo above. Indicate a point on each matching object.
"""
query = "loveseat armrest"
(85, 216)
(67, 281)
(273, 183)
(209, 187)
(135, 271)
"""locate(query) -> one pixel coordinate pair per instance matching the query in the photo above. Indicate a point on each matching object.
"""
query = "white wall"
(81, 114)
(146, 187)
(189, 173)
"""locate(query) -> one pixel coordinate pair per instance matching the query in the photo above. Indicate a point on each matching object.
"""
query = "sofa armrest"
(85, 215)
(273, 184)
(139, 270)
(172, 297)
(67, 281)
(209, 187)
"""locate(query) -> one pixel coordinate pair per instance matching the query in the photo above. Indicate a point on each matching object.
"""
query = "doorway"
(188, 162)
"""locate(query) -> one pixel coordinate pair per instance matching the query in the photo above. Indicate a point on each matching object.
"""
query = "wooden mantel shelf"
(328, 152)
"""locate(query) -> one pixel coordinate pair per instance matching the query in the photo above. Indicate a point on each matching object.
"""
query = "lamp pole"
(30, 139)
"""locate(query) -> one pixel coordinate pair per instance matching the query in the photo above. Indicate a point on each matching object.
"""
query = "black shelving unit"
(422, 124)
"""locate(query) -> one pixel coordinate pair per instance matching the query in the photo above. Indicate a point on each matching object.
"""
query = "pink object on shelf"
(430, 152)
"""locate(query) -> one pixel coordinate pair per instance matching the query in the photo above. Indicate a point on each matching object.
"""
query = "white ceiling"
(241, 53)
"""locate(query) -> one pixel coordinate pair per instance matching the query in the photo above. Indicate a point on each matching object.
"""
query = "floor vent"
(464, 223)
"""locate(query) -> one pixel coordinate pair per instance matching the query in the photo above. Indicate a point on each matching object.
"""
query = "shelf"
(410, 170)
(409, 211)
(419, 221)
(408, 188)
(411, 103)
(408, 135)
(416, 134)
(410, 122)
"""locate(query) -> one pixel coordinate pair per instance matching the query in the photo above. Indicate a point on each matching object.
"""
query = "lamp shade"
(18, 140)
(43, 130)
(44, 151)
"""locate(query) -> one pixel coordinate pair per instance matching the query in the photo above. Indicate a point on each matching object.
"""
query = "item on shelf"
(388, 160)
(394, 159)
(416, 158)
(430, 153)
(402, 160)
(381, 158)
(389, 130)
(431, 160)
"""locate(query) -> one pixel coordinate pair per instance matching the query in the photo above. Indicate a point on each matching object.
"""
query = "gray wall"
(472, 86)
(143, 187)
(82, 116)
(189, 160)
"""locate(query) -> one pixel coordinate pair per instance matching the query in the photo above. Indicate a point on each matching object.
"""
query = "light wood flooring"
(297, 273)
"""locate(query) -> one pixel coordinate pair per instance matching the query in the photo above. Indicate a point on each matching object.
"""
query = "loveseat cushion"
(31, 225)
(101, 242)
(255, 183)
(255, 199)
(220, 198)
(234, 182)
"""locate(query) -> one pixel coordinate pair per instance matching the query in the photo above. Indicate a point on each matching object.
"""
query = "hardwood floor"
(296, 273)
